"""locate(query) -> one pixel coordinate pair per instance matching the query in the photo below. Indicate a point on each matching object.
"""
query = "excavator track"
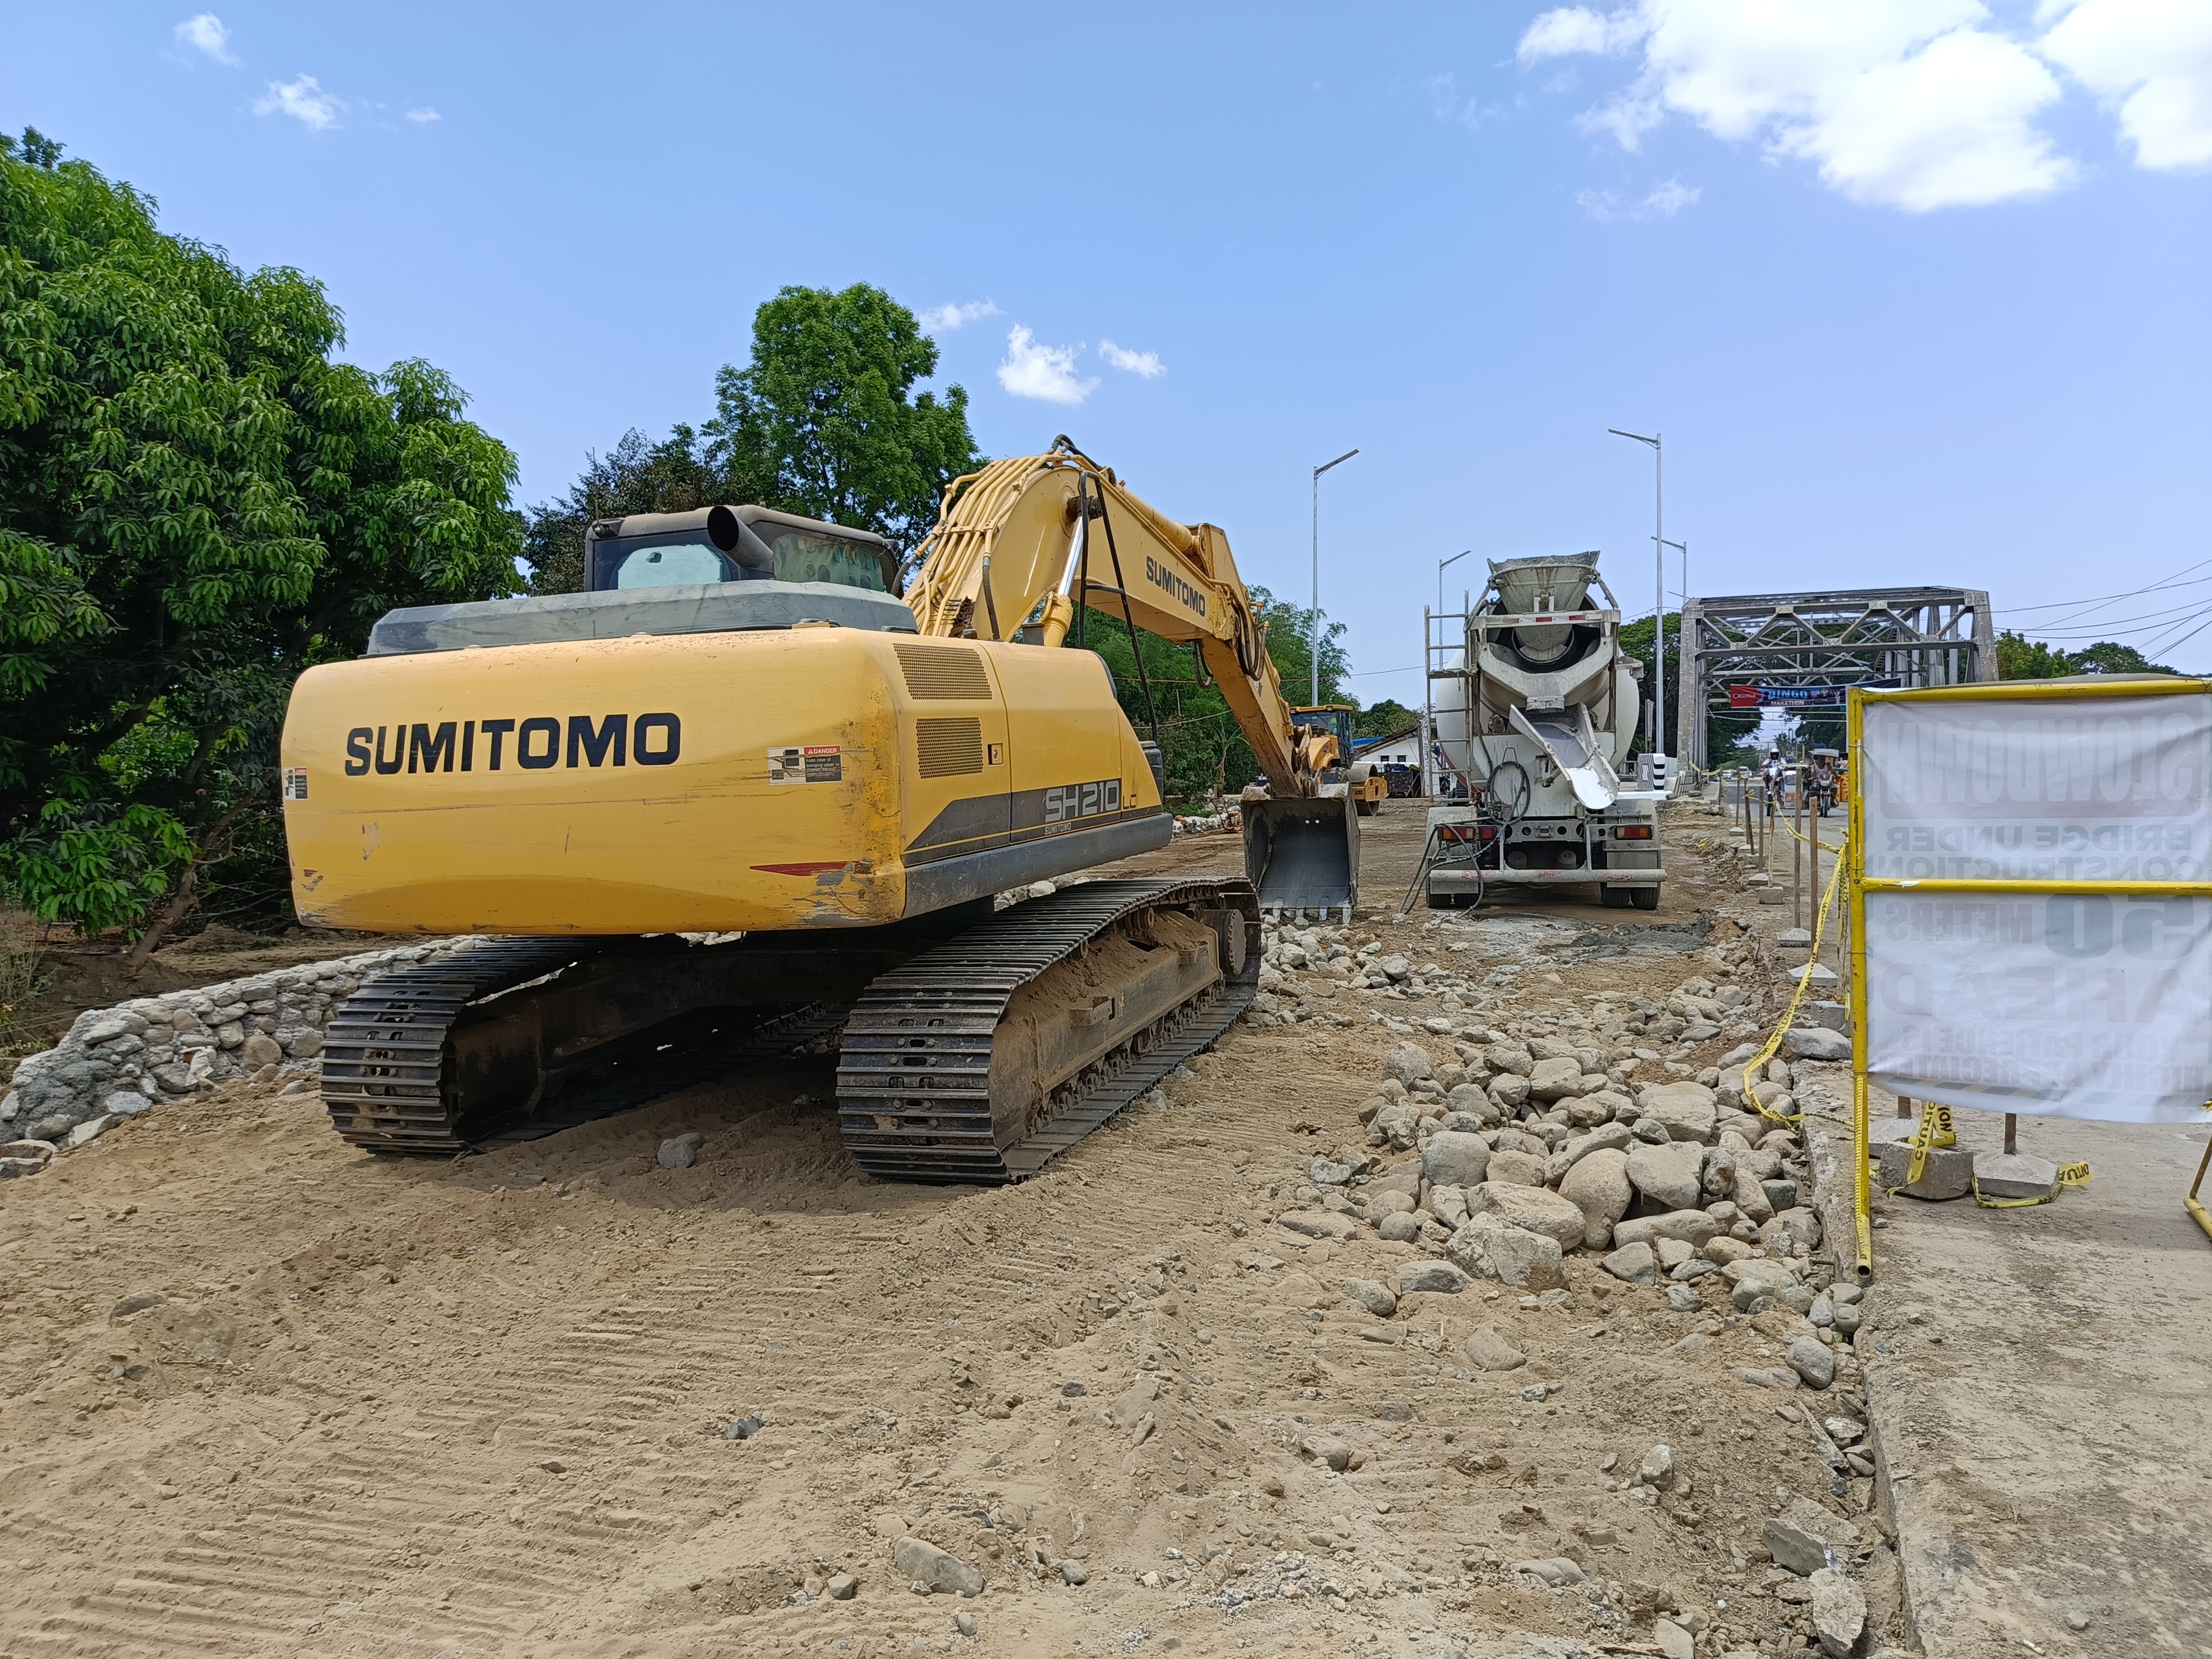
(392, 1083)
(913, 1078)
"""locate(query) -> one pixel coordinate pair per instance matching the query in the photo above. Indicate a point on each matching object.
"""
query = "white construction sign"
(2090, 1004)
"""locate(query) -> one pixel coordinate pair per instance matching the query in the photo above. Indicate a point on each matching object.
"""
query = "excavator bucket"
(1303, 853)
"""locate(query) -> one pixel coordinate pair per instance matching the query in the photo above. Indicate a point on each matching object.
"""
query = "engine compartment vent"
(949, 747)
(944, 673)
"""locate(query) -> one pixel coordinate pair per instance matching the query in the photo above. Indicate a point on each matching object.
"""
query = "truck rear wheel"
(1643, 898)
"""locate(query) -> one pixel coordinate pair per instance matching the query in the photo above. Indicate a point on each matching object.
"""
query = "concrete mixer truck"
(1534, 707)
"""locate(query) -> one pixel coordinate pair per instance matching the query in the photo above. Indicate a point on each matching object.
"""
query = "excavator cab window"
(806, 556)
(662, 562)
(716, 546)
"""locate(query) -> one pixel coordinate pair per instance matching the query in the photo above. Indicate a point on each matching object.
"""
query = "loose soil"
(262, 1394)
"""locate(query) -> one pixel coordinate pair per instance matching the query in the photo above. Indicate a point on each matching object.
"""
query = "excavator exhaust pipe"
(1303, 853)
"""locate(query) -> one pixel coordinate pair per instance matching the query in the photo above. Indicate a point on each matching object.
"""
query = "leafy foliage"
(826, 411)
(672, 476)
(1202, 750)
(1381, 719)
(822, 421)
(196, 504)
(2022, 659)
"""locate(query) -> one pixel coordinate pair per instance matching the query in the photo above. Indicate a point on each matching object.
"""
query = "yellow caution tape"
(1804, 981)
(1935, 1130)
(2072, 1174)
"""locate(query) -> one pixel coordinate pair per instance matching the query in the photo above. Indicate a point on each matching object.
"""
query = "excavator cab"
(733, 545)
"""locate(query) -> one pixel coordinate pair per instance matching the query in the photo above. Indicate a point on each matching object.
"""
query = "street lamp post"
(1441, 566)
(1316, 643)
(1684, 739)
(1659, 567)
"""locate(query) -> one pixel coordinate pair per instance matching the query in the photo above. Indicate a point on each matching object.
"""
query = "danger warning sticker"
(296, 783)
(816, 763)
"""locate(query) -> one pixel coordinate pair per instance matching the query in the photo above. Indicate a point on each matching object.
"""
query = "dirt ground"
(261, 1394)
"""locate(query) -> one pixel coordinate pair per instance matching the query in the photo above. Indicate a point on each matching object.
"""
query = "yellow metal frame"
(2192, 1203)
(1860, 884)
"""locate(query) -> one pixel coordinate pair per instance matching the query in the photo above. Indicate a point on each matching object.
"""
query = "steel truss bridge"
(1905, 636)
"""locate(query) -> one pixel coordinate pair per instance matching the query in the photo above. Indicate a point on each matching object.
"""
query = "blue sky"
(1915, 288)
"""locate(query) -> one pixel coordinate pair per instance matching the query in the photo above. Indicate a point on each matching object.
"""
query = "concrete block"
(1773, 896)
(1835, 1016)
(2015, 1174)
(1950, 1172)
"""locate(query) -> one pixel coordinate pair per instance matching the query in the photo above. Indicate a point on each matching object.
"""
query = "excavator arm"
(1021, 546)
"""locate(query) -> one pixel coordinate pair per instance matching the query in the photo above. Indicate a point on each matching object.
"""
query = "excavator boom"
(1024, 546)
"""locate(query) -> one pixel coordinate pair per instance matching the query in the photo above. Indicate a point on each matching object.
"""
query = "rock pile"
(115, 1063)
(1529, 1137)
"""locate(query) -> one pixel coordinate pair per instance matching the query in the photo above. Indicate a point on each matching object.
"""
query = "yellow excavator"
(740, 797)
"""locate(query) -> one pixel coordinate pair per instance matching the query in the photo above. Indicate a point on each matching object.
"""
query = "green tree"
(822, 421)
(672, 476)
(1202, 750)
(1380, 719)
(1636, 640)
(196, 504)
(2022, 659)
(827, 413)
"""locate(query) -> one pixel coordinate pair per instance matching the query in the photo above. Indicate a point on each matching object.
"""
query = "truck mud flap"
(1303, 853)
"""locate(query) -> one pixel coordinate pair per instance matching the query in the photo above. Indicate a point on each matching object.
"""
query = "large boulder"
(1508, 1092)
(1521, 1168)
(923, 1563)
(1489, 1247)
(1807, 1539)
(1409, 1063)
(1692, 1227)
(1691, 1111)
(1488, 1351)
(1666, 1174)
(1597, 1185)
(1454, 1158)
(1555, 1079)
(1535, 1208)
(1814, 1042)
(1439, 1277)
(1471, 1098)
(1760, 1270)
(1398, 1124)
(1750, 1195)
(1632, 1264)
(1513, 1059)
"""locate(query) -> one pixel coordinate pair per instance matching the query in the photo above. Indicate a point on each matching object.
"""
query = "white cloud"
(1663, 203)
(303, 99)
(2154, 59)
(944, 319)
(1906, 103)
(1146, 363)
(1566, 30)
(1045, 373)
(206, 33)
(424, 115)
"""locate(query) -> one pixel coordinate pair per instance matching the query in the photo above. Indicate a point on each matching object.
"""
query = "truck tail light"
(1632, 831)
